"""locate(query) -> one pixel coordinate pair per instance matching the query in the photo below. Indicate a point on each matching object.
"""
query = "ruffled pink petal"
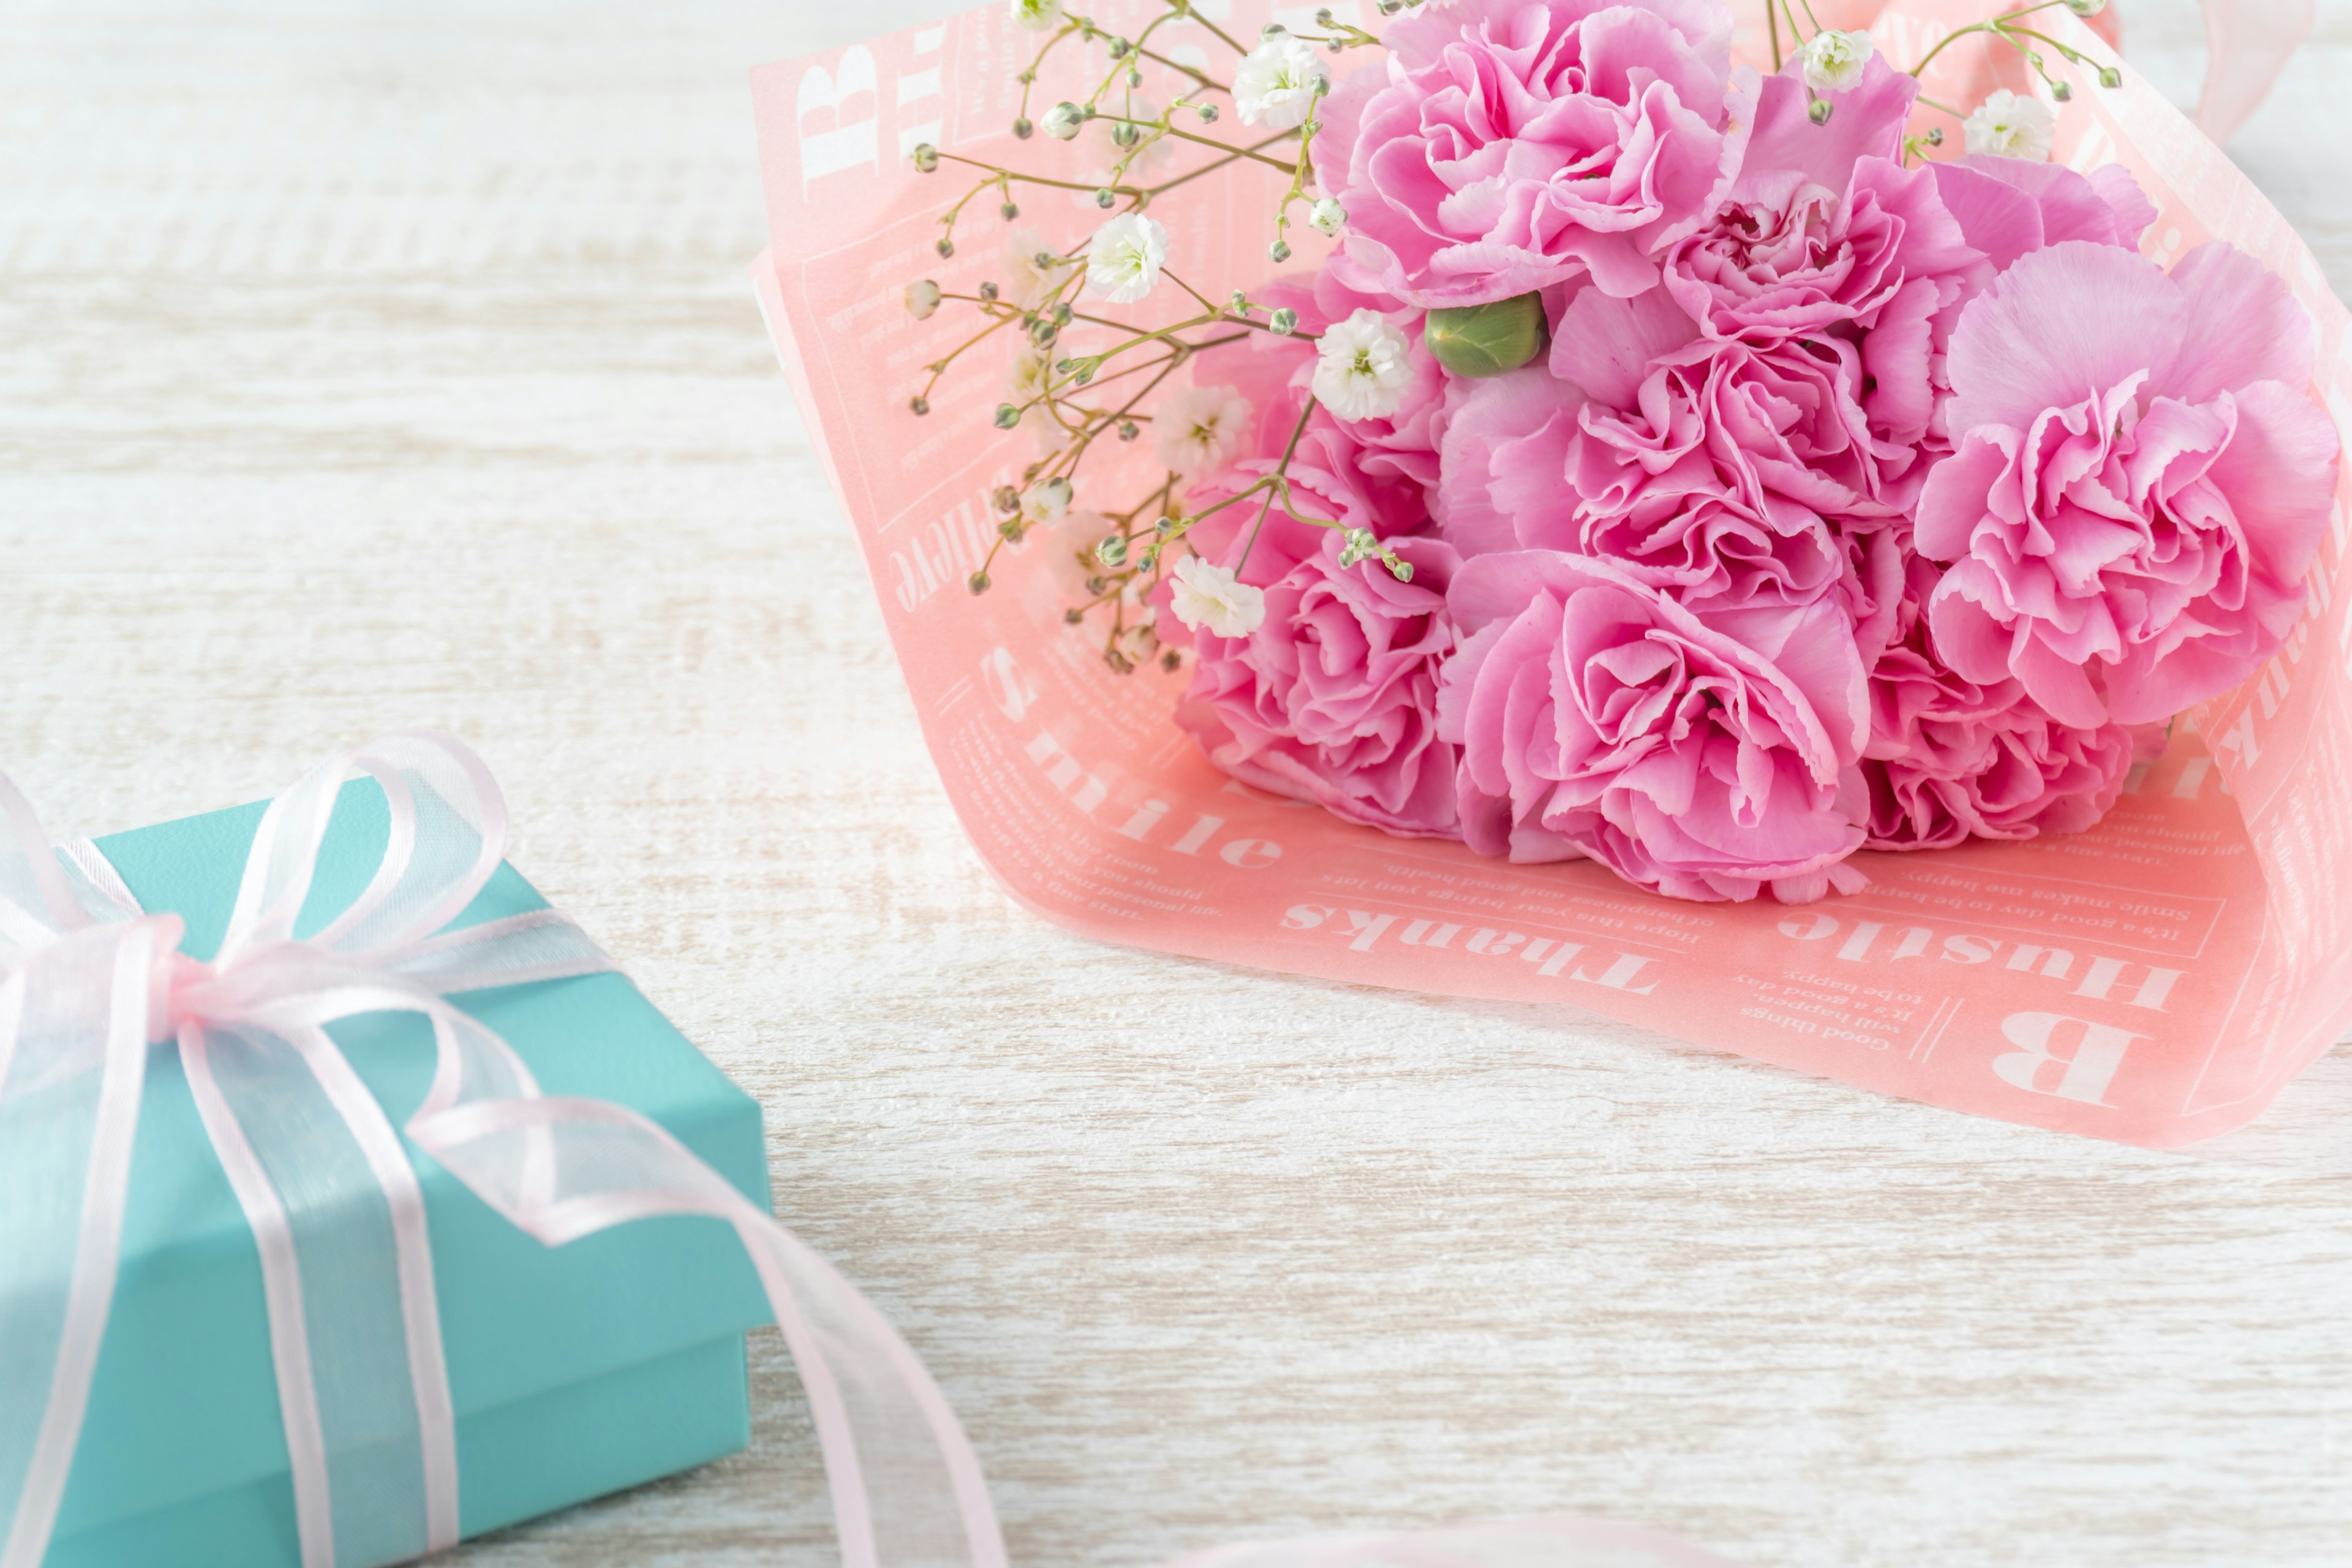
(2244, 326)
(2062, 323)
(1604, 345)
(1786, 149)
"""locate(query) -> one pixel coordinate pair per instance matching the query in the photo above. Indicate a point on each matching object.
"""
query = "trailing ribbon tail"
(73, 1062)
(907, 1489)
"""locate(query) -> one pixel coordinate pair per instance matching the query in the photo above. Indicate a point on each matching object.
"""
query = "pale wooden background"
(370, 365)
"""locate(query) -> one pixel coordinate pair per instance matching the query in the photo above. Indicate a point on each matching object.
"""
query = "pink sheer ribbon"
(87, 979)
(2247, 44)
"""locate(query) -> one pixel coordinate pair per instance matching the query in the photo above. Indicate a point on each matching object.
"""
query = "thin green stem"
(1203, 141)
(1280, 469)
(1992, 26)
(1214, 166)
(1203, 77)
(1221, 35)
(939, 366)
(1034, 179)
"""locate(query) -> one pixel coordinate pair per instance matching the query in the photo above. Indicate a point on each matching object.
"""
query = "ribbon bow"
(88, 978)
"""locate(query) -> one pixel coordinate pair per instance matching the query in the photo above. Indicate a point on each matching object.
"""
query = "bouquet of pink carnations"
(1707, 472)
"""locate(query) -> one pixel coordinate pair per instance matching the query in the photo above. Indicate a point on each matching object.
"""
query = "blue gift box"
(575, 1371)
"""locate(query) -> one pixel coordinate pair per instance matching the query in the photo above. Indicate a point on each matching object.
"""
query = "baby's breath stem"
(1993, 26)
(1220, 35)
(995, 175)
(1211, 167)
(1203, 141)
(1203, 77)
(1276, 478)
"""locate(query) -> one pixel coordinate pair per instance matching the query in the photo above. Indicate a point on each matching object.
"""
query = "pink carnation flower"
(1824, 232)
(1333, 699)
(1515, 143)
(1950, 759)
(1720, 472)
(1703, 758)
(2140, 485)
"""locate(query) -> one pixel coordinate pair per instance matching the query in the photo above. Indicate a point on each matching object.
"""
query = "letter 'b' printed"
(2083, 1074)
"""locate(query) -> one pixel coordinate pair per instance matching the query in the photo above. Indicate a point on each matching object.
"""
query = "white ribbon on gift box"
(87, 979)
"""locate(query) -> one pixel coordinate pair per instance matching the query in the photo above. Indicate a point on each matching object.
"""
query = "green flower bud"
(1104, 198)
(1007, 417)
(1022, 128)
(2110, 76)
(1486, 340)
(926, 158)
(920, 405)
(1283, 323)
(979, 581)
(1208, 114)
(1008, 211)
(2062, 91)
(1818, 111)
(1279, 251)
(946, 247)
(1112, 551)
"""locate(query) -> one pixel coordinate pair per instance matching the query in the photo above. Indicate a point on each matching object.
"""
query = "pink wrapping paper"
(2155, 981)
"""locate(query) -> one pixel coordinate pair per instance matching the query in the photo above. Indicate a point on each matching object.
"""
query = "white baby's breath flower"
(1035, 14)
(2012, 125)
(1124, 257)
(1326, 216)
(1024, 380)
(923, 299)
(1276, 83)
(1026, 282)
(1212, 597)
(1064, 121)
(1362, 370)
(1199, 429)
(1046, 501)
(1834, 60)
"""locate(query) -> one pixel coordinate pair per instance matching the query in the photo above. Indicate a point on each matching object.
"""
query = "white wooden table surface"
(364, 366)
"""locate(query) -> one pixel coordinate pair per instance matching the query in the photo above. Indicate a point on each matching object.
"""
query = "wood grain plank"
(374, 367)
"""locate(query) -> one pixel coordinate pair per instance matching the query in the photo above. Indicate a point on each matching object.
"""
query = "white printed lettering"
(2101, 978)
(847, 143)
(2083, 1075)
